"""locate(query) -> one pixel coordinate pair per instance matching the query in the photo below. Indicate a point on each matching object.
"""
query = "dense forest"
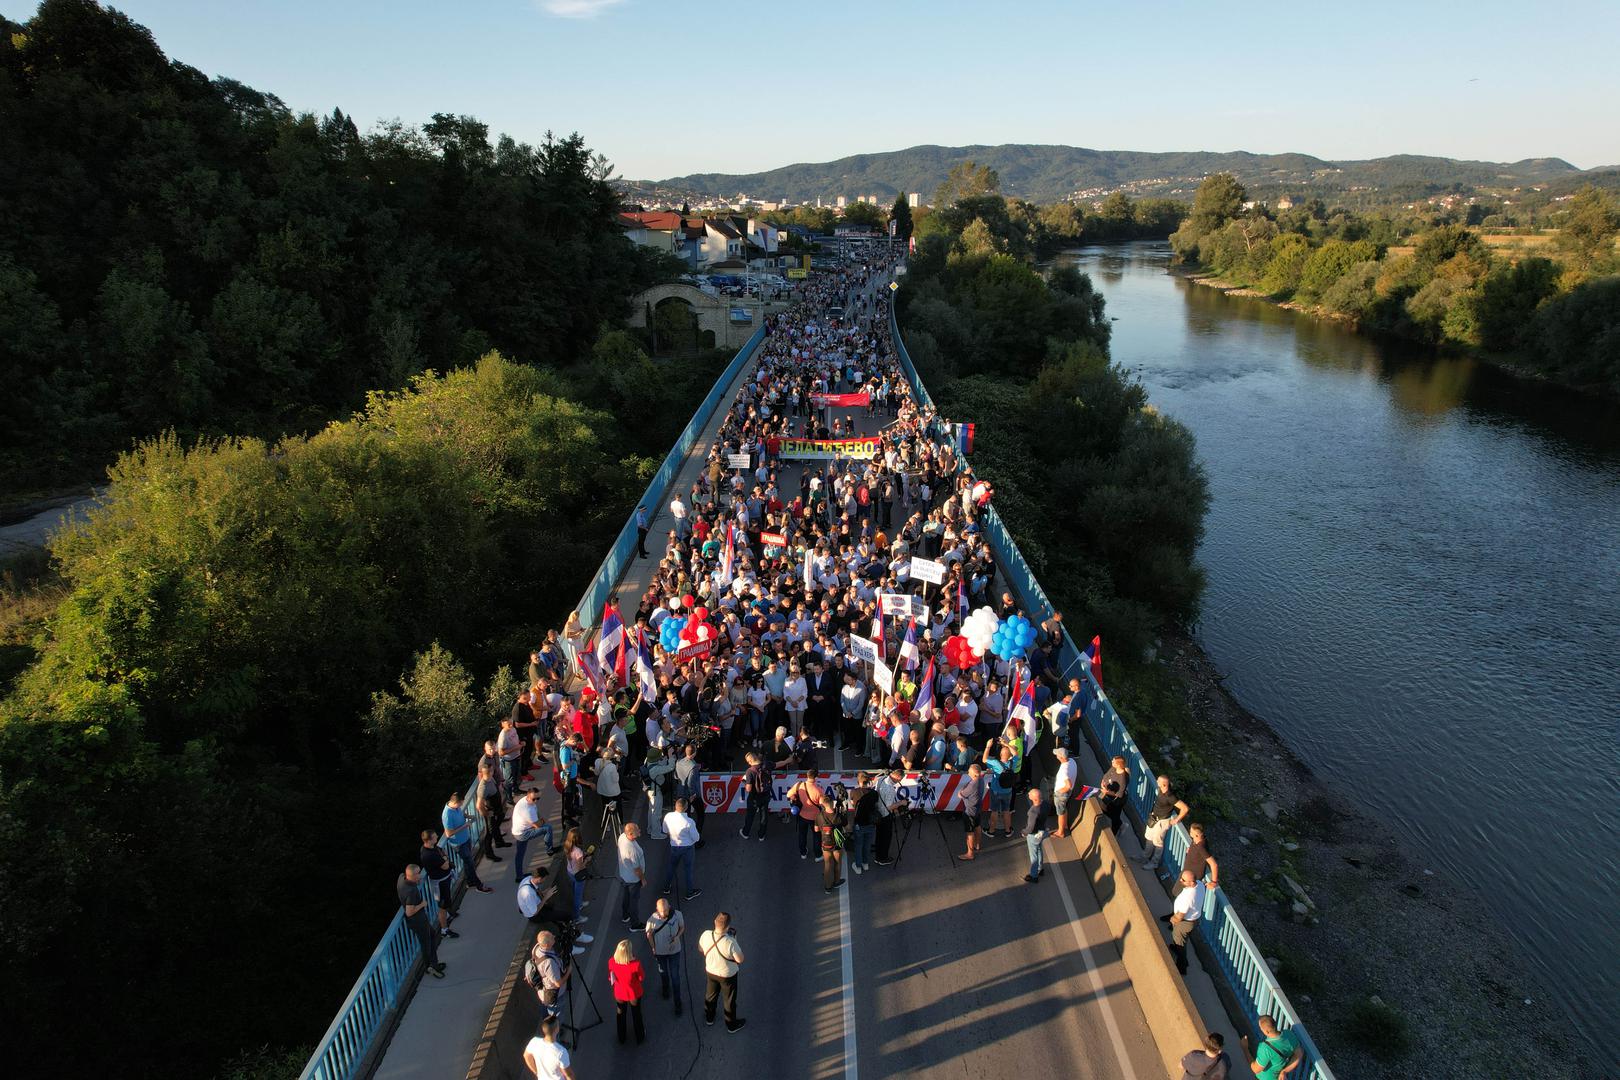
(1105, 496)
(184, 252)
(1554, 314)
(233, 698)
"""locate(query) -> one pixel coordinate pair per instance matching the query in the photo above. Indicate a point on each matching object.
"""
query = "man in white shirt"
(722, 960)
(531, 901)
(1186, 913)
(1062, 786)
(683, 838)
(632, 875)
(546, 1057)
(677, 510)
(527, 823)
(607, 783)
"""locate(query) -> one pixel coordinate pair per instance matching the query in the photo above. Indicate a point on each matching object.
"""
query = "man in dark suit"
(823, 699)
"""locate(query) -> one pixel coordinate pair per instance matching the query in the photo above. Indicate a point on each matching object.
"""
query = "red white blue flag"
(1093, 655)
(724, 575)
(645, 678)
(610, 650)
(1024, 709)
(909, 657)
(925, 694)
(877, 634)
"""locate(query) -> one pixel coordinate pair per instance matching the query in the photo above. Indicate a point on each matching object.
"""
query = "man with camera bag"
(722, 960)
(831, 823)
(547, 972)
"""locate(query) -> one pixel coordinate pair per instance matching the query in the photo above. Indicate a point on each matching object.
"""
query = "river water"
(1414, 577)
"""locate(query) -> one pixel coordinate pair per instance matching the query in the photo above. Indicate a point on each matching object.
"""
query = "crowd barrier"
(346, 1049)
(1247, 975)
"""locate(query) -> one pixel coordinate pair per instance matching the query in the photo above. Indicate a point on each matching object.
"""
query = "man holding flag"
(610, 650)
(909, 657)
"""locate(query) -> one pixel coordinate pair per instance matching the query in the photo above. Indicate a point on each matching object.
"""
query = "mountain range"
(1050, 173)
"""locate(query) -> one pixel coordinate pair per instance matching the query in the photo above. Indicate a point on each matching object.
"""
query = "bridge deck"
(960, 970)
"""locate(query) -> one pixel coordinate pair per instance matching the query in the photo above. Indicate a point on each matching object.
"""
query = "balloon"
(689, 601)
(704, 631)
(702, 613)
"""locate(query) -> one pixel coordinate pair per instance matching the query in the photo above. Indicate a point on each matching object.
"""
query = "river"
(1414, 578)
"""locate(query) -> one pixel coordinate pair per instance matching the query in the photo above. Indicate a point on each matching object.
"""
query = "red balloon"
(688, 601)
(701, 612)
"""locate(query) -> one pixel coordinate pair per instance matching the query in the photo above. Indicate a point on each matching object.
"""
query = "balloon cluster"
(681, 630)
(958, 653)
(980, 630)
(1012, 638)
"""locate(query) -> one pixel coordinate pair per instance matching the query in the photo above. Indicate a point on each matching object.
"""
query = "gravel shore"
(1376, 926)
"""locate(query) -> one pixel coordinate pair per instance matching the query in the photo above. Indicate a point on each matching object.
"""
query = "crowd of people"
(739, 656)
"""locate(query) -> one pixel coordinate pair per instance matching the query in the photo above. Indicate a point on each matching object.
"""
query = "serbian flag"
(645, 677)
(610, 650)
(1024, 709)
(723, 576)
(964, 438)
(1093, 655)
(877, 634)
(909, 657)
(925, 694)
(961, 598)
(1082, 792)
(592, 670)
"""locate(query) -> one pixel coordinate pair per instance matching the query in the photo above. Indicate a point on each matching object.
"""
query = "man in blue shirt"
(1002, 775)
(458, 831)
(641, 530)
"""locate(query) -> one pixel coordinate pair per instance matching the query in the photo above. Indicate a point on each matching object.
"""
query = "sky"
(670, 87)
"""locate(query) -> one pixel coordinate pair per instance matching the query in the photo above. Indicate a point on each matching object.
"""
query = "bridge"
(716, 327)
(924, 966)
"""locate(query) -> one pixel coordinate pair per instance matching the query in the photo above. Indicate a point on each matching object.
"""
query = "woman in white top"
(796, 695)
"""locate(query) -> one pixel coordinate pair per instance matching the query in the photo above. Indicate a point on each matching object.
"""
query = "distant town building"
(842, 202)
(1285, 203)
(914, 199)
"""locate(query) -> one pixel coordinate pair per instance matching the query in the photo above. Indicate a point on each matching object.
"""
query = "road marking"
(1096, 977)
(847, 955)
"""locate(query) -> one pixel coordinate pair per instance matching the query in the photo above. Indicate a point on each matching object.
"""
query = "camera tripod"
(911, 819)
(568, 1026)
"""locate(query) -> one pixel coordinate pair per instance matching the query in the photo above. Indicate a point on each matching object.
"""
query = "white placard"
(883, 675)
(863, 649)
(904, 604)
(738, 461)
(928, 570)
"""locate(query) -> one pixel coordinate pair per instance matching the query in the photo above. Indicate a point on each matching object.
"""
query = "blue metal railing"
(391, 972)
(1242, 965)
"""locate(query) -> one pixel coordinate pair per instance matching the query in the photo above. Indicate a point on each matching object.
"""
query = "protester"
(975, 796)
(1184, 917)
(683, 838)
(1168, 810)
(626, 977)
(830, 825)
(409, 888)
(527, 823)
(757, 786)
(1279, 1053)
(722, 961)
(632, 875)
(804, 803)
(1199, 861)
(864, 806)
(1068, 772)
(437, 868)
(1036, 823)
(574, 850)
(1115, 783)
(546, 1058)
(458, 831)
(666, 933)
(1208, 1062)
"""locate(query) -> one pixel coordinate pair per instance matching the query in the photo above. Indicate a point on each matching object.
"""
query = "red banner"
(842, 400)
(774, 539)
(694, 650)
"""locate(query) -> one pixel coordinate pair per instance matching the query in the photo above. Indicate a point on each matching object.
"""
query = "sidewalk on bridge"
(444, 1020)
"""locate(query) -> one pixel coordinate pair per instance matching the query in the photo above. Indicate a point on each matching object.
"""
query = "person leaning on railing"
(409, 888)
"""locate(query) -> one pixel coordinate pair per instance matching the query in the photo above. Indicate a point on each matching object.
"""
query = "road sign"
(894, 286)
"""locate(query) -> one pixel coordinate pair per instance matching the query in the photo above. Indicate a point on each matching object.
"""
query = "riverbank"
(1499, 361)
(1388, 962)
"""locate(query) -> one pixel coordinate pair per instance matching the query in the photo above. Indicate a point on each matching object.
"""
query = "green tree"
(870, 215)
(900, 214)
(1219, 199)
(1586, 233)
(966, 180)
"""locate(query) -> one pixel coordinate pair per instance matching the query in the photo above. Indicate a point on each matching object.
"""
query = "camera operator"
(547, 971)
(655, 776)
(864, 813)
(722, 960)
(688, 781)
(889, 805)
(831, 824)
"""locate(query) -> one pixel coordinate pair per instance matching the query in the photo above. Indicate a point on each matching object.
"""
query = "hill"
(1050, 173)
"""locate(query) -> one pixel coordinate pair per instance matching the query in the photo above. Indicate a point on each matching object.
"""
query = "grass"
(1378, 1029)
(1297, 972)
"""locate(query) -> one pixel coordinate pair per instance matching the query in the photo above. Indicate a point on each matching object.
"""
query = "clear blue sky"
(666, 87)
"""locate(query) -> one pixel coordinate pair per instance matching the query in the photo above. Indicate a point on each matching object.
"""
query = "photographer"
(831, 823)
(889, 804)
(722, 960)
(865, 815)
(804, 803)
(547, 972)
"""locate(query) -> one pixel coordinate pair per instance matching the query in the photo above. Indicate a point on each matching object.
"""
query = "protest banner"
(828, 449)
(927, 570)
(842, 400)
